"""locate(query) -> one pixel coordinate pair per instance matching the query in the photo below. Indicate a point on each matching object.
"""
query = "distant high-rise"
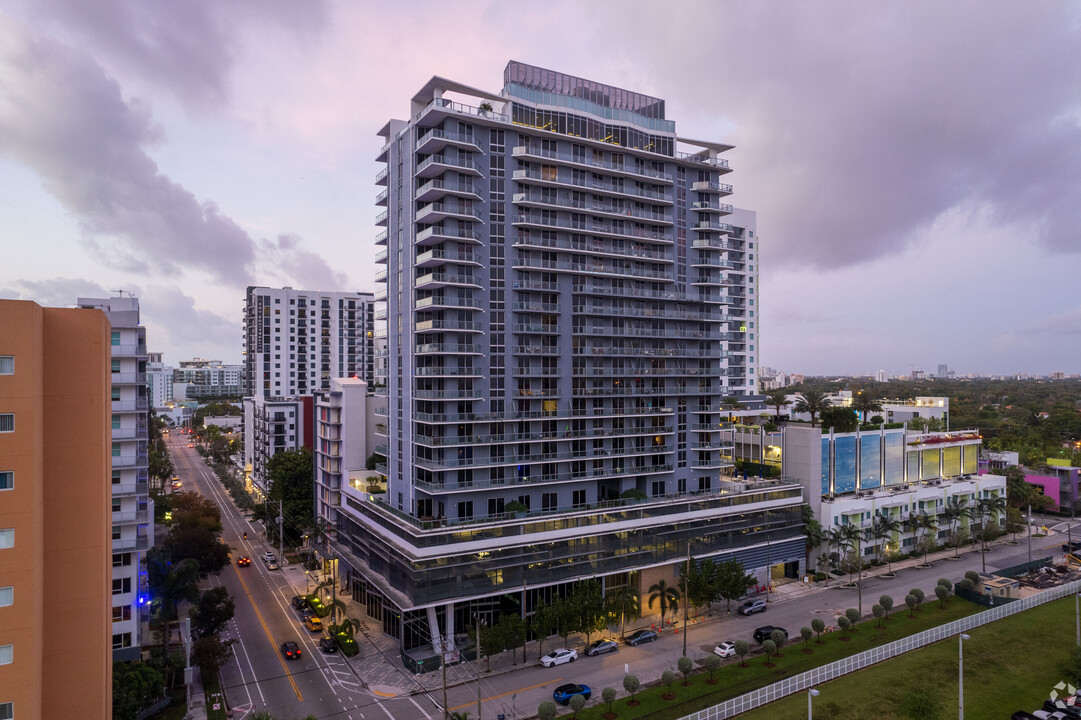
(56, 612)
(295, 341)
(570, 301)
(943, 371)
(133, 511)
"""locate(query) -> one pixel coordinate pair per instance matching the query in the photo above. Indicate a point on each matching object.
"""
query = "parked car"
(1070, 710)
(269, 555)
(299, 602)
(564, 693)
(313, 623)
(558, 657)
(640, 636)
(328, 645)
(752, 606)
(762, 634)
(290, 650)
(598, 647)
(243, 561)
(1072, 546)
(725, 649)
(271, 564)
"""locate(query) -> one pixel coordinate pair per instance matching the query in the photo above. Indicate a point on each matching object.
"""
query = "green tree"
(813, 531)
(942, 594)
(711, 663)
(777, 399)
(864, 404)
(818, 625)
(841, 419)
(608, 696)
(957, 509)
(878, 611)
(778, 637)
(547, 710)
(136, 685)
(742, 647)
(587, 599)
(631, 685)
(667, 598)
(210, 653)
(624, 602)
(769, 647)
(685, 665)
(811, 402)
(732, 582)
(911, 601)
(883, 530)
(290, 476)
(170, 583)
(512, 628)
(667, 678)
(887, 604)
(845, 624)
(929, 524)
(212, 611)
(195, 533)
(543, 623)
(806, 633)
(577, 702)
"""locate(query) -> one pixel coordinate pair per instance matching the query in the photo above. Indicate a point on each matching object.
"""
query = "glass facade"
(951, 461)
(914, 466)
(844, 464)
(931, 467)
(825, 466)
(870, 458)
(971, 459)
(894, 460)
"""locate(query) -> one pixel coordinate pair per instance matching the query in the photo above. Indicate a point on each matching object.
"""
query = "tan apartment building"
(55, 635)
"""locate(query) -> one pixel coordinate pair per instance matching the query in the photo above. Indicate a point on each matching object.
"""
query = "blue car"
(564, 693)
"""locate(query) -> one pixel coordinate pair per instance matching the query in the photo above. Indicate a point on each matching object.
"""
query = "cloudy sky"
(915, 166)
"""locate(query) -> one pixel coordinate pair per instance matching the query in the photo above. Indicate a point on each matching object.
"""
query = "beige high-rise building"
(55, 547)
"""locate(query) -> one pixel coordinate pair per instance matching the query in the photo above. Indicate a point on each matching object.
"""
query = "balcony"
(622, 169)
(384, 153)
(130, 516)
(593, 269)
(381, 257)
(593, 228)
(596, 246)
(712, 226)
(454, 487)
(436, 212)
(382, 176)
(437, 139)
(124, 490)
(448, 349)
(382, 218)
(441, 325)
(135, 543)
(122, 406)
(435, 280)
(128, 378)
(436, 234)
(381, 198)
(381, 275)
(438, 256)
(436, 165)
(594, 186)
(534, 199)
(711, 187)
(447, 394)
(435, 189)
(440, 303)
(436, 372)
(538, 307)
(712, 207)
(381, 238)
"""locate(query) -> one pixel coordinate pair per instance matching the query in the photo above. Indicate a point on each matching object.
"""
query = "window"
(121, 585)
(7, 711)
(120, 614)
(7, 596)
(7, 365)
(121, 559)
(7, 479)
(7, 422)
(122, 640)
(549, 501)
(115, 338)
(7, 538)
(6, 652)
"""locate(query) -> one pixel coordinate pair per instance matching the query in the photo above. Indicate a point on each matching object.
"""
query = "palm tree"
(811, 402)
(864, 403)
(912, 525)
(836, 539)
(884, 528)
(624, 601)
(667, 598)
(957, 509)
(777, 399)
(852, 539)
(927, 523)
(169, 584)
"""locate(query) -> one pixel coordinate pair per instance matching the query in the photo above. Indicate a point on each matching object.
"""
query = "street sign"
(451, 657)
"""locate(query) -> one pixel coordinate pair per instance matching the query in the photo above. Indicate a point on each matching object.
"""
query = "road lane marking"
(420, 708)
(270, 637)
(503, 695)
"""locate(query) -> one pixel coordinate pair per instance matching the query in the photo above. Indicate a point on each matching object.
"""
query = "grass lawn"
(732, 680)
(1010, 665)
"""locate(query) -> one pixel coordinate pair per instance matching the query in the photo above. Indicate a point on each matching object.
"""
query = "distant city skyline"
(915, 167)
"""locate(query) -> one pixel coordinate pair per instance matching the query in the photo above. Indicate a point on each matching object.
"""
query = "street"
(374, 685)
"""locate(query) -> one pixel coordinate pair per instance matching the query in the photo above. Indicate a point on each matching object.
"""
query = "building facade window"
(7, 711)
(7, 422)
(122, 613)
(121, 585)
(7, 596)
(7, 364)
(122, 640)
(7, 479)
(7, 538)
(6, 654)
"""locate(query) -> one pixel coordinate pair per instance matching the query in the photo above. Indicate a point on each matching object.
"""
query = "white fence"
(825, 673)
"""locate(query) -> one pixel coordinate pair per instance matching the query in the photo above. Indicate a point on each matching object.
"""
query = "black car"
(328, 645)
(299, 602)
(640, 636)
(1070, 711)
(1072, 546)
(762, 634)
(290, 650)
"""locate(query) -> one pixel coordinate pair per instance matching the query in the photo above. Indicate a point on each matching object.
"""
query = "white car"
(558, 657)
(725, 649)
(752, 606)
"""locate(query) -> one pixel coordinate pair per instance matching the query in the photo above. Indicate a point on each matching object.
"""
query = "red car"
(243, 561)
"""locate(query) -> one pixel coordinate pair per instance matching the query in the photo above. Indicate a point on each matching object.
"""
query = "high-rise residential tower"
(55, 624)
(570, 303)
(132, 509)
(296, 340)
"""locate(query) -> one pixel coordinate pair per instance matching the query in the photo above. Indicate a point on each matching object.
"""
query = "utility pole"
(281, 537)
(1030, 533)
(769, 568)
(686, 596)
(443, 656)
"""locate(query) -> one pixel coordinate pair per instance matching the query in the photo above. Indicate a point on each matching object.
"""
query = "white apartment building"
(159, 381)
(132, 509)
(295, 341)
(272, 426)
(202, 378)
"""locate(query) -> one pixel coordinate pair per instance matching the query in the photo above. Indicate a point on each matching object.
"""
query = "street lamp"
(811, 694)
(961, 675)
